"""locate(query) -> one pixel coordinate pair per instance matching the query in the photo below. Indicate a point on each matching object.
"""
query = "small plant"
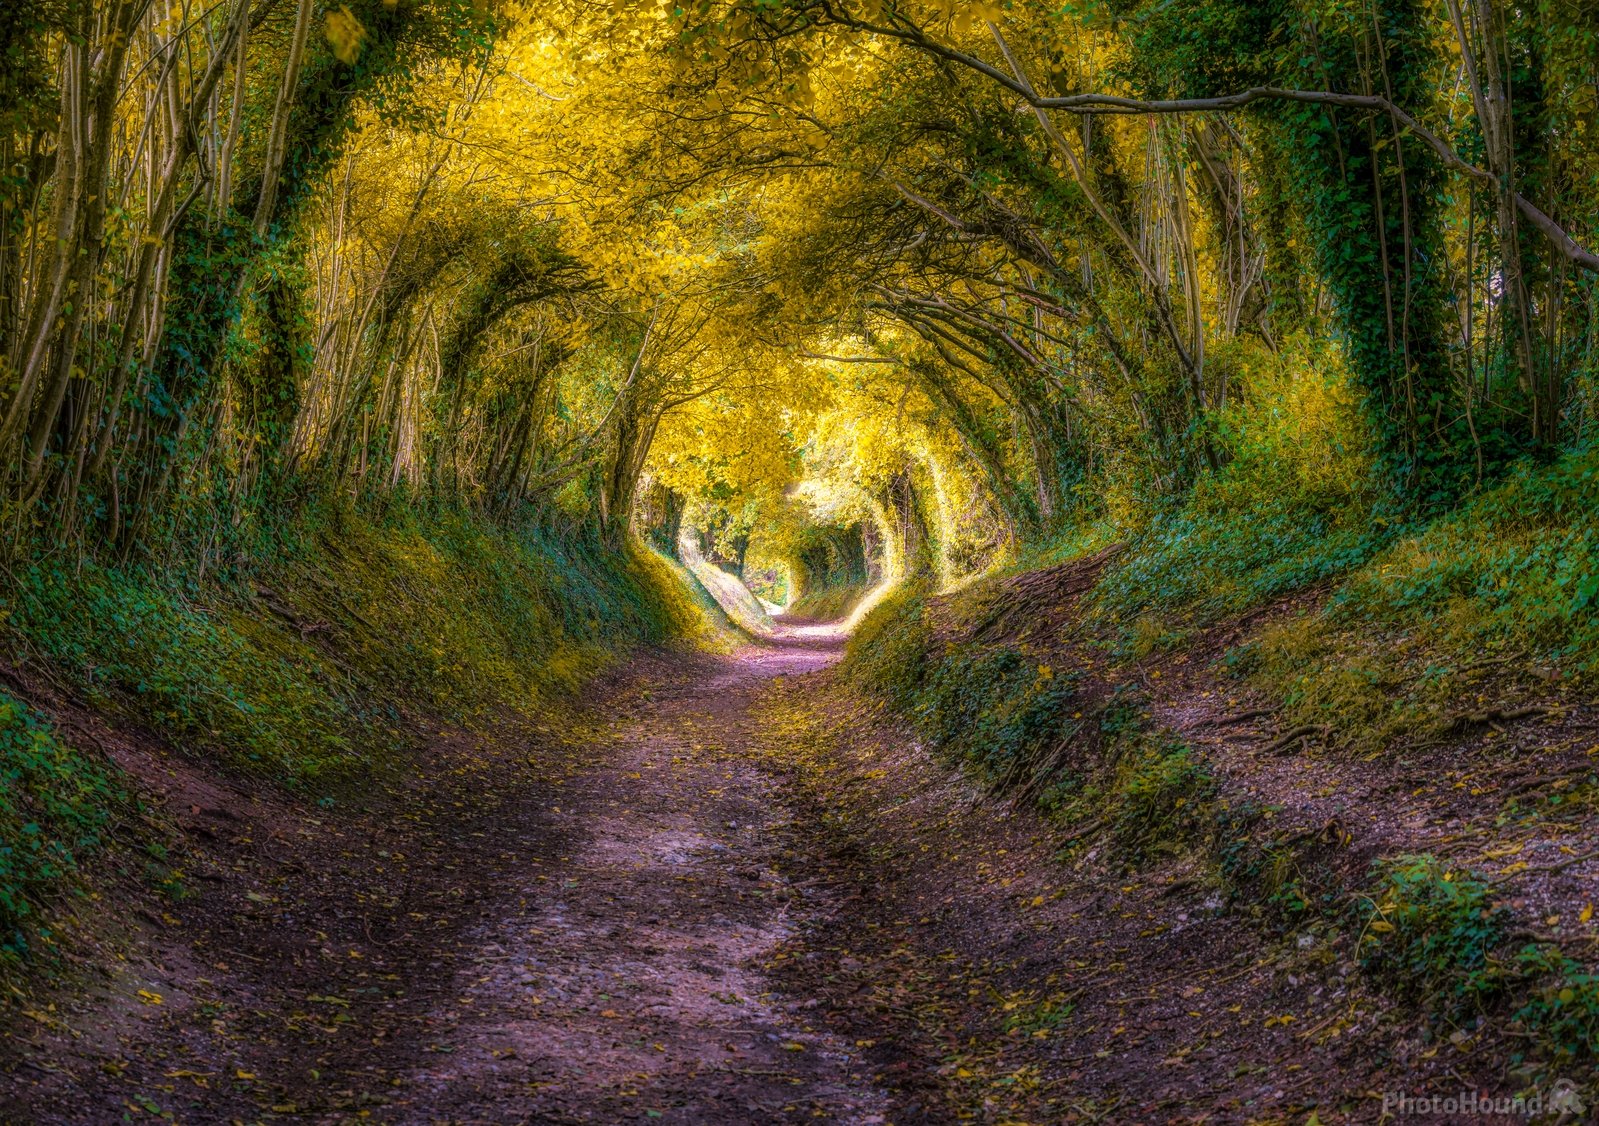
(1563, 1009)
(161, 875)
(1064, 787)
(1430, 933)
(1043, 1015)
(1258, 864)
(1160, 800)
(1125, 714)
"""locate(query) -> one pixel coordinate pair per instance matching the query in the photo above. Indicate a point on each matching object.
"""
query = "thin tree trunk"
(277, 137)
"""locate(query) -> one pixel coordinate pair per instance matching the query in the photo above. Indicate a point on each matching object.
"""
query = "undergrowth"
(1022, 725)
(1260, 867)
(887, 653)
(304, 669)
(735, 602)
(1517, 567)
(998, 709)
(1444, 620)
(1561, 1009)
(1424, 619)
(207, 676)
(56, 804)
(1513, 571)
(308, 668)
(826, 604)
(1292, 505)
(1436, 935)
(1160, 800)
(1152, 795)
(1430, 932)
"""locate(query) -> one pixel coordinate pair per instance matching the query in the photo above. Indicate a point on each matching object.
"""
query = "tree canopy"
(955, 278)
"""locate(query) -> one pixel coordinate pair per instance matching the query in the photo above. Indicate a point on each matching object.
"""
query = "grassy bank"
(827, 604)
(308, 669)
(1401, 618)
(1384, 643)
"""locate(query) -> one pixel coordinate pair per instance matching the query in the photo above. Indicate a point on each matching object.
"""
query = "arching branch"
(1115, 104)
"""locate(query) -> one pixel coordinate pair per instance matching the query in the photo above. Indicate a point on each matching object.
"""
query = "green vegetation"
(1161, 801)
(351, 352)
(1429, 933)
(1417, 625)
(310, 671)
(828, 604)
(1293, 504)
(1516, 569)
(1562, 1010)
(994, 707)
(1435, 934)
(1264, 868)
(1457, 608)
(300, 669)
(1023, 725)
(56, 805)
(889, 650)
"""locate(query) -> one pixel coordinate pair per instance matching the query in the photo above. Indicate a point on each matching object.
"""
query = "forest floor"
(721, 890)
(571, 922)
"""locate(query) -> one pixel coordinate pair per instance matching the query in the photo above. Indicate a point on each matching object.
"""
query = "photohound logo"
(1565, 1099)
(1562, 1101)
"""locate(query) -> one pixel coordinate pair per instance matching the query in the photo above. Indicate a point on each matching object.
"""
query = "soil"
(725, 890)
(572, 924)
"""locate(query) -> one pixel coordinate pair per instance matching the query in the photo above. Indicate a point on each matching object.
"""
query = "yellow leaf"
(345, 35)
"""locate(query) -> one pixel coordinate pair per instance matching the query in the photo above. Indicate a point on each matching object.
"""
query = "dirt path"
(635, 982)
(587, 941)
(729, 890)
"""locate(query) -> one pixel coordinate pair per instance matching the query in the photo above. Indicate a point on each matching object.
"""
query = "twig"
(1542, 780)
(1241, 717)
(1560, 866)
(1497, 715)
(1284, 742)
